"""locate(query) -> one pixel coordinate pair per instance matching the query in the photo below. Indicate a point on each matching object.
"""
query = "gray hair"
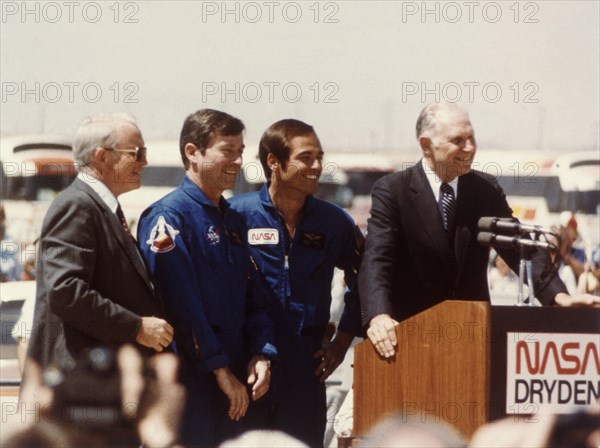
(99, 131)
(400, 430)
(260, 438)
(426, 121)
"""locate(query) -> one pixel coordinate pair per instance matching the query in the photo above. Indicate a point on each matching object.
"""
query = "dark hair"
(276, 140)
(199, 127)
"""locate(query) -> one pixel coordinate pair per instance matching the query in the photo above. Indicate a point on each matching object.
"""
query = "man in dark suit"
(421, 245)
(92, 285)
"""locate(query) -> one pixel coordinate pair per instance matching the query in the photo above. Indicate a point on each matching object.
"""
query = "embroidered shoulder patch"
(162, 236)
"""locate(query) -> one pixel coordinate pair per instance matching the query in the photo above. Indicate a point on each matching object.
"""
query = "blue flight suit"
(198, 256)
(298, 272)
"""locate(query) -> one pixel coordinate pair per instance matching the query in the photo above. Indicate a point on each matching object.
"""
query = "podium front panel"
(468, 363)
(543, 360)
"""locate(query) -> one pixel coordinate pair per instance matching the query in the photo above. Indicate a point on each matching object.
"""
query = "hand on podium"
(382, 334)
(578, 299)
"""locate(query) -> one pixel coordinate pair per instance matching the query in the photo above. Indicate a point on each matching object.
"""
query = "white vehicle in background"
(540, 186)
(362, 171)
(34, 170)
(13, 296)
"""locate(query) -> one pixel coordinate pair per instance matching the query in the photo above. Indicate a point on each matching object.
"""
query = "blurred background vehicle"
(12, 297)
(541, 186)
(35, 168)
(362, 171)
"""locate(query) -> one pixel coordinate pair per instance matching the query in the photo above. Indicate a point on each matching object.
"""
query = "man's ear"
(425, 143)
(100, 156)
(272, 161)
(191, 152)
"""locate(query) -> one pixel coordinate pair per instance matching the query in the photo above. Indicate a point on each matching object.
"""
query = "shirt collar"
(435, 183)
(100, 189)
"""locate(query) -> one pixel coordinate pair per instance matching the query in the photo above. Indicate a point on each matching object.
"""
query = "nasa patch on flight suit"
(162, 236)
(263, 236)
(213, 235)
(312, 240)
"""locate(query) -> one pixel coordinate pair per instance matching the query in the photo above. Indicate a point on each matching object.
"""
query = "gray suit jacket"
(408, 264)
(92, 285)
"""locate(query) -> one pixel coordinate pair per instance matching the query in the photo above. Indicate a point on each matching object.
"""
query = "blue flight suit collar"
(265, 199)
(196, 193)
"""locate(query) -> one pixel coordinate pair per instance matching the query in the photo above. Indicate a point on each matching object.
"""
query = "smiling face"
(449, 147)
(216, 168)
(122, 172)
(302, 170)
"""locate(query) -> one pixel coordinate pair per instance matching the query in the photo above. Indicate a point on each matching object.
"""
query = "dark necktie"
(123, 221)
(449, 209)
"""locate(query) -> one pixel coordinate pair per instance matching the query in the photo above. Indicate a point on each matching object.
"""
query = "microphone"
(514, 242)
(509, 226)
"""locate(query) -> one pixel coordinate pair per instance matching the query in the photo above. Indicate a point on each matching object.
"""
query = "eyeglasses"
(139, 151)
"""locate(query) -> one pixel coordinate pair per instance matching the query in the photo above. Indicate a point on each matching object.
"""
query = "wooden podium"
(451, 362)
(441, 368)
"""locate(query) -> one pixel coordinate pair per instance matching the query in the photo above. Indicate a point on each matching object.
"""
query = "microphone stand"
(525, 267)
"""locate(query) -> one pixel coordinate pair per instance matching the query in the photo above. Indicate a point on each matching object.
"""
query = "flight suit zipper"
(196, 346)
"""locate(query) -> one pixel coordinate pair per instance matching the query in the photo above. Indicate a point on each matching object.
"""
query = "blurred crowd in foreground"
(150, 405)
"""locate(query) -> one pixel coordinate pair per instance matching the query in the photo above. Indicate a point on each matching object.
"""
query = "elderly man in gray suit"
(93, 287)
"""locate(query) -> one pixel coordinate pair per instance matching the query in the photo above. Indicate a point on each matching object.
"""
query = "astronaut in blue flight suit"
(195, 247)
(296, 241)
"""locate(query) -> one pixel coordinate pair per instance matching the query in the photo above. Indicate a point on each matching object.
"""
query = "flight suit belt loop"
(313, 331)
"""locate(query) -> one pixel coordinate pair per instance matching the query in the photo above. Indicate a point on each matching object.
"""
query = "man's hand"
(161, 411)
(332, 354)
(155, 333)
(582, 300)
(259, 376)
(235, 391)
(382, 334)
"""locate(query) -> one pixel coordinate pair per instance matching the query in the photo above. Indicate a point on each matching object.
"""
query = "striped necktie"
(449, 209)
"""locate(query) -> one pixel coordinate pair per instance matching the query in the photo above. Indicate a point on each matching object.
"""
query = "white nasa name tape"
(263, 236)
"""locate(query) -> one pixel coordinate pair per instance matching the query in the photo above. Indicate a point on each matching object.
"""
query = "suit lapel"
(119, 233)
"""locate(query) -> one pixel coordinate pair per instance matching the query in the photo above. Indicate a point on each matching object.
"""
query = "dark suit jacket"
(408, 264)
(92, 285)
